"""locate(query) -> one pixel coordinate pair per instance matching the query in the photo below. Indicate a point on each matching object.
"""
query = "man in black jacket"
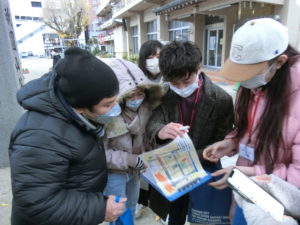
(58, 164)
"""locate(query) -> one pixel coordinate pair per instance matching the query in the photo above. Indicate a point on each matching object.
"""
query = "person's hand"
(171, 131)
(219, 149)
(256, 216)
(114, 209)
(221, 183)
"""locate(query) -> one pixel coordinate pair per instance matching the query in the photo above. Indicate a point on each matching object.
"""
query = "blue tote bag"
(208, 205)
(125, 219)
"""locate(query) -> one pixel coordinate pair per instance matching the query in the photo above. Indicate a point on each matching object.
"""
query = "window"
(36, 4)
(135, 38)
(152, 30)
(179, 31)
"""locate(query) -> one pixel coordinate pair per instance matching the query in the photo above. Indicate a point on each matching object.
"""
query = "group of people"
(76, 148)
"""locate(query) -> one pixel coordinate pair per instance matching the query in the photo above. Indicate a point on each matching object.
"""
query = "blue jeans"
(125, 185)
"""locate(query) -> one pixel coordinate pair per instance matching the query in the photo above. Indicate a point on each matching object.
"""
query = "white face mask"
(187, 91)
(152, 65)
(107, 117)
(257, 81)
(134, 104)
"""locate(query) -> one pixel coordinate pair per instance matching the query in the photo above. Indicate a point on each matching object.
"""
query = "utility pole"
(10, 72)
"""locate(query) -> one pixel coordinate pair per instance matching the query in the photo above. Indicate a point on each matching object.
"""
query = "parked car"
(23, 54)
(41, 55)
(30, 53)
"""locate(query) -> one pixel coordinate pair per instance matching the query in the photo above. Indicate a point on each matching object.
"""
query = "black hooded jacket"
(58, 164)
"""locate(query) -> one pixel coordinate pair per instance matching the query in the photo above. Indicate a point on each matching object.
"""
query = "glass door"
(213, 47)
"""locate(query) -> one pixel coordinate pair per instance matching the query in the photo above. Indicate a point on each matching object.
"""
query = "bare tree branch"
(67, 17)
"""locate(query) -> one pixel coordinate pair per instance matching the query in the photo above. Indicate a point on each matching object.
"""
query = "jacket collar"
(118, 126)
(79, 119)
(205, 106)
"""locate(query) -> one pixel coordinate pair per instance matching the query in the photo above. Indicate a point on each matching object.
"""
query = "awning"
(104, 8)
(179, 4)
(109, 24)
(175, 5)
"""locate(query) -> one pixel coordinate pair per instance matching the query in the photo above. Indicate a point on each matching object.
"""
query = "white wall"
(34, 44)
(23, 8)
(134, 20)
(10, 73)
(290, 16)
(120, 42)
(149, 15)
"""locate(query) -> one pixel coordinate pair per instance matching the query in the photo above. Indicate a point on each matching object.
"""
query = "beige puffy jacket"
(125, 138)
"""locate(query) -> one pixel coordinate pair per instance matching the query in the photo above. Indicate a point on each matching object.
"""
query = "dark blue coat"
(58, 165)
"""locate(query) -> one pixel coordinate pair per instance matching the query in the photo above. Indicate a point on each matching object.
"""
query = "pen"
(184, 128)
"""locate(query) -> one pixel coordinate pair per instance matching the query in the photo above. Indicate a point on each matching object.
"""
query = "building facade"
(33, 37)
(208, 23)
(29, 28)
(94, 33)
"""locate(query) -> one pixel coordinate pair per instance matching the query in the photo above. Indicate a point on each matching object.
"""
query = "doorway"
(213, 47)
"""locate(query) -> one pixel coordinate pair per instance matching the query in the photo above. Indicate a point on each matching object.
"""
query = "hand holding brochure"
(174, 169)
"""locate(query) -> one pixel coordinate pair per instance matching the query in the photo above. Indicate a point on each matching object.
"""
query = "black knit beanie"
(85, 80)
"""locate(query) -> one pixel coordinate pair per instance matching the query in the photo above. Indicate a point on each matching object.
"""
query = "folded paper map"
(174, 169)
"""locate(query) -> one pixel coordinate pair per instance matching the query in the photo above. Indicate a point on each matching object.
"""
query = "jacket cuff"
(231, 135)
(103, 211)
(154, 138)
(131, 160)
(259, 170)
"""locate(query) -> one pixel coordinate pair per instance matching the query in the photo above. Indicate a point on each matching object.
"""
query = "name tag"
(246, 152)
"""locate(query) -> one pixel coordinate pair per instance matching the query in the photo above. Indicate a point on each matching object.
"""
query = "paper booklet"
(174, 169)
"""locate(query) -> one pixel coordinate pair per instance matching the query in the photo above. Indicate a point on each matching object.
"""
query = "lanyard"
(252, 114)
(196, 100)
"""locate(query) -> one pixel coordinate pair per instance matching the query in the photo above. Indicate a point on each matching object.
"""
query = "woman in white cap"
(267, 112)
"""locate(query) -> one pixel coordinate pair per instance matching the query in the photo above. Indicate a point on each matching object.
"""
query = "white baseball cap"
(252, 46)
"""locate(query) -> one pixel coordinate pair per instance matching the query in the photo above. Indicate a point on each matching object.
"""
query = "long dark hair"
(147, 49)
(270, 125)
